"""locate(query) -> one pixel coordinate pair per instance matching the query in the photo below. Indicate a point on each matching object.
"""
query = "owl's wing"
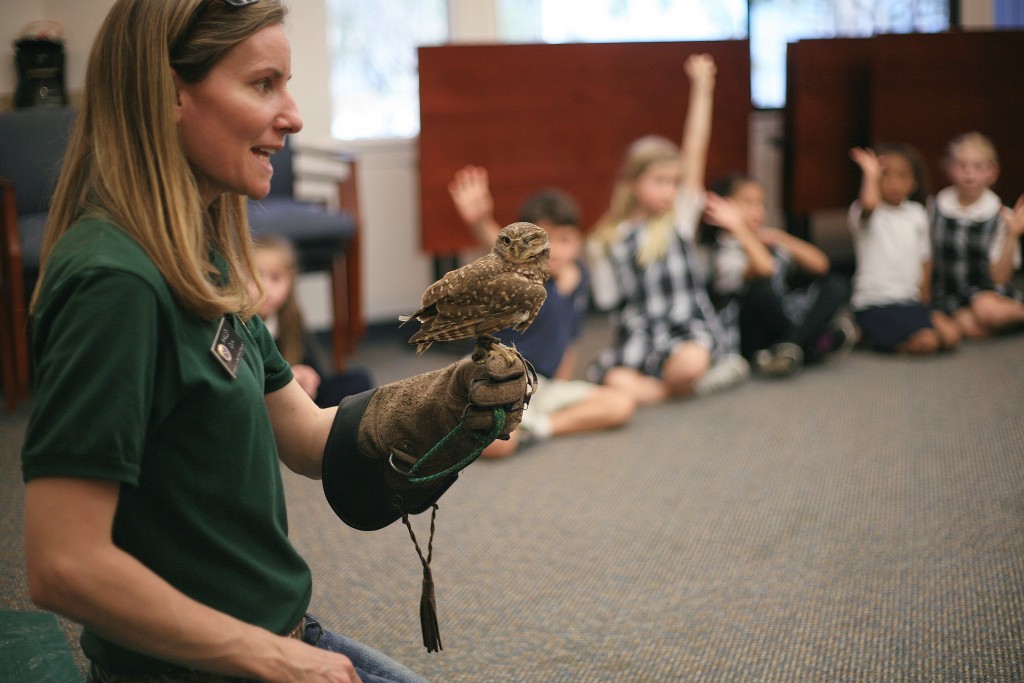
(443, 329)
(460, 282)
(499, 302)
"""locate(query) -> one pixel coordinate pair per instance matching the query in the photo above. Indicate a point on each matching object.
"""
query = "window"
(374, 82)
(601, 21)
(1009, 14)
(774, 23)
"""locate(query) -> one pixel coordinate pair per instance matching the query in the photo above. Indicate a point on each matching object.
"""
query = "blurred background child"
(277, 264)
(976, 242)
(788, 299)
(644, 265)
(892, 283)
(563, 404)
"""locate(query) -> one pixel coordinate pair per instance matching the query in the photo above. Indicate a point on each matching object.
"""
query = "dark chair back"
(32, 145)
(324, 239)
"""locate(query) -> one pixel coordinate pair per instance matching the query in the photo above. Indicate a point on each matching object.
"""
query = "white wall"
(977, 14)
(395, 271)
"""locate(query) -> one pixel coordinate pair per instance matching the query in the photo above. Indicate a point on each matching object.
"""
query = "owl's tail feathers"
(417, 336)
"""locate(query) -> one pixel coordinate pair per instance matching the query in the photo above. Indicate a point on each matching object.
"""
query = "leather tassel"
(428, 606)
(428, 614)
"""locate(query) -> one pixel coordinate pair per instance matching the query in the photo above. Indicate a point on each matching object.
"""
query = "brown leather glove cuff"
(356, 484)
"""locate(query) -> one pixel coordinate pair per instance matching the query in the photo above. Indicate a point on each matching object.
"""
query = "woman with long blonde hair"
(644, 265)
(154, 505)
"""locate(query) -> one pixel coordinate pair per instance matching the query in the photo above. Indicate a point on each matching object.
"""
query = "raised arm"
(871, 177)
(723, 212)
(700, 69)
(808, 257)
(471, 194)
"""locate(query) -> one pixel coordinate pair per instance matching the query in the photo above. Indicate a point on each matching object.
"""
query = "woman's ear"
(178, 84)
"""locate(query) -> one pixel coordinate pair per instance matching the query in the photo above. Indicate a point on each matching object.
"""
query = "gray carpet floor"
(861, 521)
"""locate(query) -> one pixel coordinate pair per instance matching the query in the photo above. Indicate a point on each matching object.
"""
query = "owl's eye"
(505, 240)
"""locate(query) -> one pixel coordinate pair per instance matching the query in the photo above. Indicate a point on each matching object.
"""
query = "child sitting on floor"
(782, 324)
(277, 264)
(976, 242)
(892, 283)
(669, 342)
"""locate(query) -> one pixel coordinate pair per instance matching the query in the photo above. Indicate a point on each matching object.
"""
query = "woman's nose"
(289, 120)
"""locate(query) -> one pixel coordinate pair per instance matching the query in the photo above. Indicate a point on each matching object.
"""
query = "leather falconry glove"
(394, 450)
(397, 448)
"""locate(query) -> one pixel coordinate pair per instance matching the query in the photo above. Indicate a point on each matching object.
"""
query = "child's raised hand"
(868, 161)
(472, 195)
(723, 212)
(1014, 218)
(700, 68)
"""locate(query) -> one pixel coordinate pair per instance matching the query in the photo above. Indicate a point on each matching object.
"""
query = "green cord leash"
(484, 441)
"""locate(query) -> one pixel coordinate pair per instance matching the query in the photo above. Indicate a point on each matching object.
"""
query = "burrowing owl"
(503, 289)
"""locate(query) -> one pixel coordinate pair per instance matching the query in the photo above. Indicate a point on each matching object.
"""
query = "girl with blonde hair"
(976, 242)
(644, 265)
(277, 265)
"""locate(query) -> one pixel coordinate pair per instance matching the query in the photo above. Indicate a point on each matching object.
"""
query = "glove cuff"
(356, 484)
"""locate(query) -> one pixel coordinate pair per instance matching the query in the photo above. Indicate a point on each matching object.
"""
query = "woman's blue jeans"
(372, 666)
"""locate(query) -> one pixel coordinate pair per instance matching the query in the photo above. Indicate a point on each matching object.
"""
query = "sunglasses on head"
(233, 3)
(197, 13)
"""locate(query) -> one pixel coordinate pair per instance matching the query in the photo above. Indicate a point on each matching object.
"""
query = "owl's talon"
(485, 343)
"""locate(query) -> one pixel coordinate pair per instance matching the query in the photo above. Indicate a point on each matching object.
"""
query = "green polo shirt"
(128, 390)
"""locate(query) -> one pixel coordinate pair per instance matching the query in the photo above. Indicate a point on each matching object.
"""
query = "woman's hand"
(293, 660)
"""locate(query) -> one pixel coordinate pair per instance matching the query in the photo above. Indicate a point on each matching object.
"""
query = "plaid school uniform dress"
(962, 245)
(664, 304)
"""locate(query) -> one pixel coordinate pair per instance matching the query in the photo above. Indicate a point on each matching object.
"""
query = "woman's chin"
(258, 193)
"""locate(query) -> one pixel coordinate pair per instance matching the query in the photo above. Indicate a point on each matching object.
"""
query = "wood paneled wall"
(560, 116)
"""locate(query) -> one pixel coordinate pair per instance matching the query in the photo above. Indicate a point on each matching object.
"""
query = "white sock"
(541, 428)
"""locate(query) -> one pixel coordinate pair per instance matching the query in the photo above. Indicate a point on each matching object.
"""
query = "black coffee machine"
(39, 56)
